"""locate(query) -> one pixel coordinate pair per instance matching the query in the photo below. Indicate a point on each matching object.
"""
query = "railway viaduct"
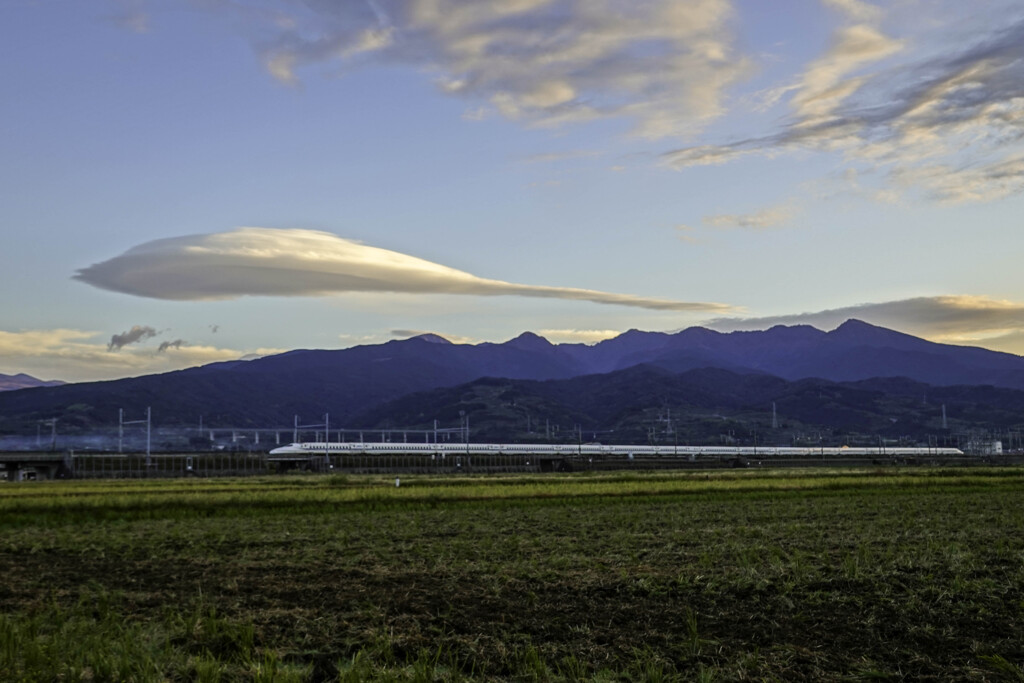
(28, 466)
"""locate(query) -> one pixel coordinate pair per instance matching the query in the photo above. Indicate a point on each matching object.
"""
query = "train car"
(567, 450)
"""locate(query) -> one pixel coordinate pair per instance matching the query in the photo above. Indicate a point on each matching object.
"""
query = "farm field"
(731, 575)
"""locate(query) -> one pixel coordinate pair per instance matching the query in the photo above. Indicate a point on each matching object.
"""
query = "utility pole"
(148, 421)
(667, 419)
(327, 440)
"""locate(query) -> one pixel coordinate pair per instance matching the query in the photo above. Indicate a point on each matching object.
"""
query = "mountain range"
(403, 381)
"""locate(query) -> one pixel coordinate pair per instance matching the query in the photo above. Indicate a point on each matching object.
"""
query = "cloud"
(79, 355)
(960, 319)
(823, 89)
(857, 9)
(573, 336)
(352, 339)
(476, 114)
(132, 16)
(176, 344)
(715, 155)
(662, 63)
(768, 217)
(948, 123)
(136, 22)
(950, 185)
(275, 262)
(52, 343)
(568, 155)
(815, 98)
(762, 219)
(132, 336)
(686, 233)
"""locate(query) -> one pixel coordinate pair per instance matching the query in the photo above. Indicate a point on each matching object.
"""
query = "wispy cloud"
(767, 217)
(888, 95)
(952, 185)
(132, 16)
(826, 83)
(961, 319)
(687, 233)
(662, 63)
(568, 155)
(947, 123)
(857, 10)
(275, 262)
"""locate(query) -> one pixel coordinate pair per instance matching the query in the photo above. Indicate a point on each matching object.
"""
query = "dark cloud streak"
(132, 336)
(176, 344)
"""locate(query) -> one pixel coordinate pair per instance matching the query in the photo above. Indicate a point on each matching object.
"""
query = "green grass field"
(777, 575)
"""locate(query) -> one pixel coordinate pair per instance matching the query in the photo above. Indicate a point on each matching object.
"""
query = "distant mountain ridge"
(348, 382)
(23, 381)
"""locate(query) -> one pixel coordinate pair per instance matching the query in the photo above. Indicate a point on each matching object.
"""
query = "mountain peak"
(858, 331)
(852, 324)
(633, 336)
(633, 333)
(806, 333)
(431, 338)
(528, 341)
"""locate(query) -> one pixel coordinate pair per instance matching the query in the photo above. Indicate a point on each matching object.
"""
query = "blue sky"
(197, 180)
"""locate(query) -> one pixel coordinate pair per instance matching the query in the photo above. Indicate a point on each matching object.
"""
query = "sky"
(191, 181)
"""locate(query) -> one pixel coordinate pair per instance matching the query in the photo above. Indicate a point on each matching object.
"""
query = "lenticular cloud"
(275, 262)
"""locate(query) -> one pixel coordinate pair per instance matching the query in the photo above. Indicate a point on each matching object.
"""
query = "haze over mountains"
(357, 386)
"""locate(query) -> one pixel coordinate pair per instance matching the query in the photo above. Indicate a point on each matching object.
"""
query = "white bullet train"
(590, 449)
